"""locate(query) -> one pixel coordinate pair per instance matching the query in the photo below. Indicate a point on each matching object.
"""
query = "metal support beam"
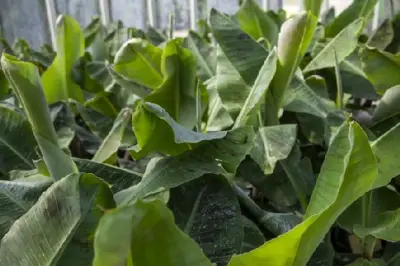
(104, 11)
(52, 21)
(193, 14)
(150, 12)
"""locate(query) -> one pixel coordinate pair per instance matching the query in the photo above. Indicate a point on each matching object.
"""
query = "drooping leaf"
(244, 53)
(139, 61)
(113, 141)
(357, 9)
(342, 44)
(344, 177)
(57, 79)
(300, 98)
(256, 23)
(204, 53)
(17, 197)
(388, 105)
(383, 36)
(118, 178)
(150, 119)
(381, 68)
(64, 215)
(258, 90)
(144, 233)
(314, 6)
(273, 144)
(210, 215)
(252, 237)
(171, 172)
(382, 200)
(25, 82)
(17, 143)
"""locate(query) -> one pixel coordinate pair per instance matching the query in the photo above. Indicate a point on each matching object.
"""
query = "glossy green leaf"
(388, 105)
(113, 141)
(258, 90)
(357, 9)
(170, 172)
(349, 170)
(294, 38)
(25, 81)
(383, 36)
(17, 197)
(17, 143)
(314, 6)
(204, 53)
(210, 215)
(244, 53)
(64, 215)
(273, 144)
(139, 61)
(57, 79)
(343, 44)
(133, 234)
(128, 84)
(381, 68)
(256, 23)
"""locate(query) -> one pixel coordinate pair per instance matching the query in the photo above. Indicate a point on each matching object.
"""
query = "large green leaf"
(386, 152)
(17, 143)
(342, 44)
(388, 104)
(210, 215)
(139, 61)
(381, 68)
(204, 53)
(257, 92)
(52, 230)
(357, 9)
(273, 144)
(177, 94)
(113, 141)
(17, 197)
(256, 23)
(150, 119)
(230, 86)
(245, 54)
(314, 6)
(171, 172)
(117, 177)
(144, 233)
(349, 171)
(57, 79)
(25, 81)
